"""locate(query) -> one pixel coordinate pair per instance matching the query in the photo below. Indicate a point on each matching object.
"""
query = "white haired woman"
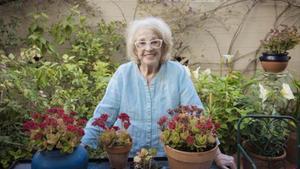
(147, 87)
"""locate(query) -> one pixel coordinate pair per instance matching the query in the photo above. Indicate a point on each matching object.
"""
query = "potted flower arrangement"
(144, 159)
(189, 137)
(116, 141)
(56, 135)
(275, 56)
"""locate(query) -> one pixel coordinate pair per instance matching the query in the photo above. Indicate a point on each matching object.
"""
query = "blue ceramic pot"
(54, 159)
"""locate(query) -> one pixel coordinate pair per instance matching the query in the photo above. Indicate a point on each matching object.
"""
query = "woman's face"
(148, 47)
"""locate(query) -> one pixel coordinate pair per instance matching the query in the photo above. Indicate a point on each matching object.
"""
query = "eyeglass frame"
(148, 42)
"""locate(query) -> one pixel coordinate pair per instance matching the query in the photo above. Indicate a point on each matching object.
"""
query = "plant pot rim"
(119, 149)
(274, 58)
(190, 152)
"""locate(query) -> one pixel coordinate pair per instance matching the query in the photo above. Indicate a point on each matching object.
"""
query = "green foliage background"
(41, 77)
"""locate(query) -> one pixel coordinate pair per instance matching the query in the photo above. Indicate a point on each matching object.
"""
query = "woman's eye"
(142, 43)
(154, 42)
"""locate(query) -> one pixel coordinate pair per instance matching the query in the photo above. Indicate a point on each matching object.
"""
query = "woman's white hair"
(158, 26)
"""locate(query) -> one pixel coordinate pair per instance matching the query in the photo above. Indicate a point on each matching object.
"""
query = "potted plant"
(189, 138)
(275, 56)
(266, 139)
(144, 159)
(266, 143)
(56, 135)
(115, 141)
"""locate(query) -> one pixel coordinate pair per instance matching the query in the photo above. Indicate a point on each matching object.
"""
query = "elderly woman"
(147, 87)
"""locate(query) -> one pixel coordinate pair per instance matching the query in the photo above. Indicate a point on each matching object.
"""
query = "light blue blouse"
(128, 92)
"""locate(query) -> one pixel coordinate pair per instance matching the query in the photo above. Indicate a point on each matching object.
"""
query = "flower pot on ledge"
(190, 160)
(274, 63)
(263, 162)
(118, 156)
(78, 159)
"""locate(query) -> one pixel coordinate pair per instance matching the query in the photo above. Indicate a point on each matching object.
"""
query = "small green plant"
(113, 136)
(281, 40)
(144, 159)
(267, 137)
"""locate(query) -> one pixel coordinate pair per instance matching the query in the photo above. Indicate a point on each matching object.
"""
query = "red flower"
(123, 117)
(116, 128)
(71, 128)
(190, 140)
(209, 124)
(73, 113)
(82, 122)
(100, 122)
(126, 124)
(171, 125)
(162, 120)
(176, 117)
(104, 117)
(29, 125)
(67, 119)
(80, 132)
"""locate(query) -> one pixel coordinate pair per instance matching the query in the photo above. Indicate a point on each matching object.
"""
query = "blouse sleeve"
(188, 94)
(109, 104)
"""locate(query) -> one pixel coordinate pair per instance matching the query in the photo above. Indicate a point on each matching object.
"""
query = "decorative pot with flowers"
(115, 141)
(56, 136)
(144, 159)
(189, 138)
(275, 56)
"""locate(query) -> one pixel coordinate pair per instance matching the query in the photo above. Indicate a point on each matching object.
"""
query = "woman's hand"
(225, 161)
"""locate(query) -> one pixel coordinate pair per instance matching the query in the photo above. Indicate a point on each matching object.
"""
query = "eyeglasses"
(155, 44)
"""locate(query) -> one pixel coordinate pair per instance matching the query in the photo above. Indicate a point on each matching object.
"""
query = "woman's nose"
(148, 47)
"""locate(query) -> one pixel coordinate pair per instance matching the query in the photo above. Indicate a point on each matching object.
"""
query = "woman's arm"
(109, 104)
(188, 94)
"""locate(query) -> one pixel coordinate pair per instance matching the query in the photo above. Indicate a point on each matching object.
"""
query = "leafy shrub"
(225, 100)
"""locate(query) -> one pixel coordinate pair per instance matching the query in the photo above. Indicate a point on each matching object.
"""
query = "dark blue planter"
(54, 159)
(282, 57)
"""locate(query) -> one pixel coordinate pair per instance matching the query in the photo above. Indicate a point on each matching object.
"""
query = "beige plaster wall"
(203, 49)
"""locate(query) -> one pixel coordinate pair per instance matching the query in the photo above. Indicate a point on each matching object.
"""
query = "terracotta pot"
(291, 150)
(263, 162)
(190, 160)
(118, 156)
(274, 63)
